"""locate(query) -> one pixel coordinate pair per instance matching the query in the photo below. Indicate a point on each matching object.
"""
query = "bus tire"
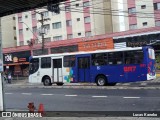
(47, 81)
(101, 80)
(59, 84)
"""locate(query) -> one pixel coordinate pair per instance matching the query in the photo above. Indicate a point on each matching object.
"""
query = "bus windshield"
(34, 65)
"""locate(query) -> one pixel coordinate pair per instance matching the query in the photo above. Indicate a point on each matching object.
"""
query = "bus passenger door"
(57, 70)
(84, 69)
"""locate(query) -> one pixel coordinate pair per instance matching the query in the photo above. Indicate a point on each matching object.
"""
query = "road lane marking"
(99, 96)
(26, 93)
(131, 97)
(8, 93)
(46, 94)
(70, 95)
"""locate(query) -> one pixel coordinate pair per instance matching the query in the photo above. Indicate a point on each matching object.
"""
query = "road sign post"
(1, 73)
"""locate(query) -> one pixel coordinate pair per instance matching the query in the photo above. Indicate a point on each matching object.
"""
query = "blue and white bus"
(103, 67)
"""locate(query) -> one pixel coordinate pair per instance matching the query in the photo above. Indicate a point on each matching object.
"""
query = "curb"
(88, 87)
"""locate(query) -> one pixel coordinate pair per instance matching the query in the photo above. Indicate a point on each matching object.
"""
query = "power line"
(99, 13)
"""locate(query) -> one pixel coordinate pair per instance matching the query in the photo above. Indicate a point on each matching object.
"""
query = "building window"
(19, 19)
(69, 36)
(15, 38)
(67, 8)
(45, 14)
(132, 27)
(157, 23)
(34, 29)
(14, 28)
(88, 34)
(79, 34)
(33, 16)
(144, 23)
(57, 38)
(47, 39)
(26, 29)
(156, 6)
(86, 4)
(132, 10)
(57, 25)
(87, 20)
(21, 43)
(78, 19)
(143, 6)
(26, 16)
(69, 23)
(46, 27)
(77, 5)
(20, 31)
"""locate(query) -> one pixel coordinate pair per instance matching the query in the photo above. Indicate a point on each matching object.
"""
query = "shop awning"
(11, 64)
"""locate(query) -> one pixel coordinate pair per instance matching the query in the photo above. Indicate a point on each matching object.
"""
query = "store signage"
(137, 43)
(16, 57)
(96, 45)
(8, 57)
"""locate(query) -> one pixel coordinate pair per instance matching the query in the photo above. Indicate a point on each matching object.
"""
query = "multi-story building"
(143, 13)
(9, 36)
(82, 18)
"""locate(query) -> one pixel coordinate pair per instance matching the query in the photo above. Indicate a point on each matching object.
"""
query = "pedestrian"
(4, 76)
(9, 77)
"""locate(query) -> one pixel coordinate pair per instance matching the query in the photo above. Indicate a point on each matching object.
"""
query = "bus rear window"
(151, 53)
(69, 61)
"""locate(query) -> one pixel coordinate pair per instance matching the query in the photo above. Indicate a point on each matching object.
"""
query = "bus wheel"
(47, 81)
(59, 84)
(101, 80)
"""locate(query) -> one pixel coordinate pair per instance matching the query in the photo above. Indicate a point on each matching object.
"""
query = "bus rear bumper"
(151, 77)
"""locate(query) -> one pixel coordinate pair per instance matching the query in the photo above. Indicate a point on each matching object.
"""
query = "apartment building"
(143, 13)
(77, 19)
(8, 27)
(81, 18)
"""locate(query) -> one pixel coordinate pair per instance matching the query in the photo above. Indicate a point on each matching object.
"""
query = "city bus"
(103, 67)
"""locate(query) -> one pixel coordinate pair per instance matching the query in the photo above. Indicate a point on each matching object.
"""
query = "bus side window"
(128, 61)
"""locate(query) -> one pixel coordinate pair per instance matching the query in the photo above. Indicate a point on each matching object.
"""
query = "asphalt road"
(83, 99)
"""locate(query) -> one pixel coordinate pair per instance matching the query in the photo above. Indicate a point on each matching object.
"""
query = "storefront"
(17, 63)
(139, 41)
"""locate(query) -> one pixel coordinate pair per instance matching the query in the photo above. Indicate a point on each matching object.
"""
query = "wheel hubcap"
(101, 81)
(47, 81)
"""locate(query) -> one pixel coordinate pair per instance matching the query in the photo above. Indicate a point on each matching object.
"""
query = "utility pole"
(42, 20)
(50, 7)
(42, 34)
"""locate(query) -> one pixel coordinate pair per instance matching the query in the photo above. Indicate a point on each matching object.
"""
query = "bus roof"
(87, 52)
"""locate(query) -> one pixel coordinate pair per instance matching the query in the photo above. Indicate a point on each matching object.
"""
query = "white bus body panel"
(151, 77)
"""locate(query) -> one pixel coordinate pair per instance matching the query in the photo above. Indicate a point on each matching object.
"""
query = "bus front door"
(84, 69)
(57, 70)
